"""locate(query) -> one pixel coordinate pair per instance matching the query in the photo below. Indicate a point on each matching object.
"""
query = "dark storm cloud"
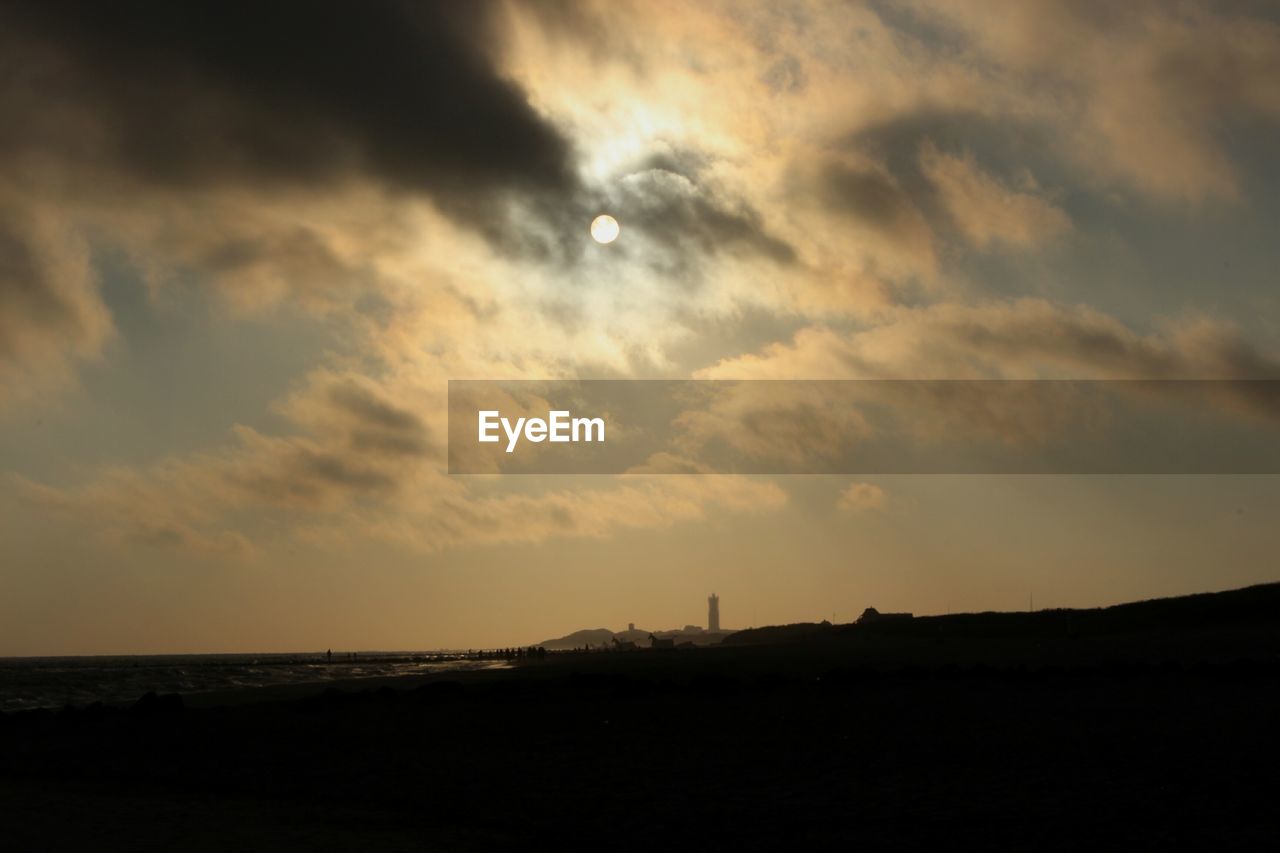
(107, 104)
(282, 92)
(197, 97)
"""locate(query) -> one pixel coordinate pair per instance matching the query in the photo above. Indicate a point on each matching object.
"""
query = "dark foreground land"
(1130, 729)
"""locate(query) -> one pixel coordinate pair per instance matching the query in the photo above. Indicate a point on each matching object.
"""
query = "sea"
(54, 682)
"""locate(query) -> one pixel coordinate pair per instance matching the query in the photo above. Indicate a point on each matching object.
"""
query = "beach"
(1141, 738)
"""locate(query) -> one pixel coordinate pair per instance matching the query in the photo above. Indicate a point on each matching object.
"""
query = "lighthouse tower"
(713, 613)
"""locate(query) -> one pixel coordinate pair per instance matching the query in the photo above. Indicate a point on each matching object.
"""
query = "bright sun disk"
(604, 228)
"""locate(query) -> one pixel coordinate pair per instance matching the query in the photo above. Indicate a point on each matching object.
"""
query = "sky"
(244, 247)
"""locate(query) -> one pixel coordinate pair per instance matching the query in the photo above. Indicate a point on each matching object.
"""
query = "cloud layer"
(806, 190)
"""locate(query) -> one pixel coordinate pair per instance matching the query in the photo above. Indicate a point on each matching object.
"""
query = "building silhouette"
(713, 613)
(873, 615)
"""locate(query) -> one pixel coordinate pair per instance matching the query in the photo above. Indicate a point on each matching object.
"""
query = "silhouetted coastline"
(1140, 725)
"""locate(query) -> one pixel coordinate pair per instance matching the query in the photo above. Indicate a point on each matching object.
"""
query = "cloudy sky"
(243, 247)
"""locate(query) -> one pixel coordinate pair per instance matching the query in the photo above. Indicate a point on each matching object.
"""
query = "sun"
(604, 228)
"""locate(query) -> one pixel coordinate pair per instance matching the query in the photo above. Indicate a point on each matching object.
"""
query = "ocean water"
(27, 683)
